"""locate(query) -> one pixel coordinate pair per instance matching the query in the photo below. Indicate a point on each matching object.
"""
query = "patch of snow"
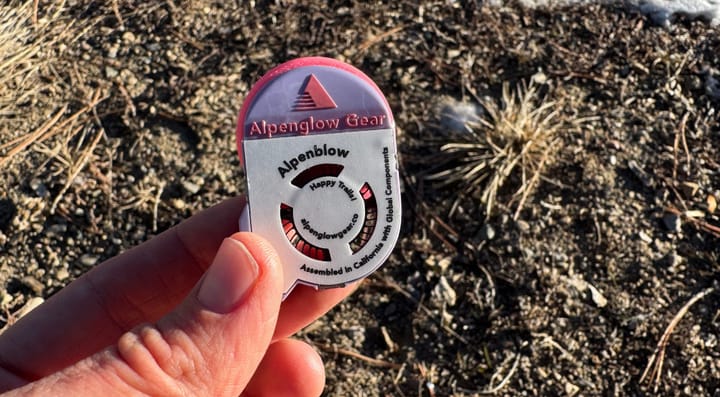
(663, 11)
(455, 115)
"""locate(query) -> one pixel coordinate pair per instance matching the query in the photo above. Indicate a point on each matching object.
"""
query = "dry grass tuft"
(19, 58)
(24, 51)
(34, 98)
(514, 139)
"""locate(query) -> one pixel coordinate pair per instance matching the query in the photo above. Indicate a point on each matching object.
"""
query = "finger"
(138, 286)
(210, 345)
(305, 304)
(290, 368)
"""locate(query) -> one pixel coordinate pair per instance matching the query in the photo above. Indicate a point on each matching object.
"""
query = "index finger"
(138, 286)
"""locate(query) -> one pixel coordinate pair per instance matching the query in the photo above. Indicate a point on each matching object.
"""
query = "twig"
(376, 39)
(655, 364)
(49, 129)
(351, 353)
(129, 105)
(30, 138)
(118, 15)
(76, 168)
(491, 390)
(504, 380)
(533, 181)
(35, 13)
(156, 204)
(712, 229)
(680, 135)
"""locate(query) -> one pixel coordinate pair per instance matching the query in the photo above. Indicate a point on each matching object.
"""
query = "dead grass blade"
(356, 355)
(653, 371)
(48, 130)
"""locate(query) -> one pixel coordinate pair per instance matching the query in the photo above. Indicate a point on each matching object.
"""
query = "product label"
(318, 146)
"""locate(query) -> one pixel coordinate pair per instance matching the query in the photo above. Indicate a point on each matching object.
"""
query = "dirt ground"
(571, 297)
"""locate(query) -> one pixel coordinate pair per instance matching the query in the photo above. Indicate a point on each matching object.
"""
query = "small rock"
(644, 237)
(39, 188)
(62, 274)
(444, 292)
(571, 389)
(613, 159)
(712, 86)
(178, 204)
(113, 51)
(128, 37)
(444, 263)
(88, 260)
(672, 222)
(711, 203)
(540, 78)
(453, 53)
(57, 229)
(110, 72)
(31, 282)
(597, 296)
(487, 232)
(523, 226)
(3, 238)
(190, 187)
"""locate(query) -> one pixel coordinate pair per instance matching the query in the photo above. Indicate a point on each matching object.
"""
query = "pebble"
(523, 226)
(444, 263)
(596, 296)
(88, 260)
(31, 282)
(128, 37)
(62, 274)
(672, 222)
(39, 188)
(445, 292)
(110, 72)
(711, 203)
(113, 51)
(178, 204)
(540, 78)
(487, 232)
(644, 237)
(190, 187)
(57, 229)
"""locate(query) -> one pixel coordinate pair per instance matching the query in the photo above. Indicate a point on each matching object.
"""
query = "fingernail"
(231, 275)
(244, 221)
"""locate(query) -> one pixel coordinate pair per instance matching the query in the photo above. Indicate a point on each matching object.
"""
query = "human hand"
(124, 328)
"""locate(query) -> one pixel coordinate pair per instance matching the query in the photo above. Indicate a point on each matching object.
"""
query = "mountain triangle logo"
(313, 97)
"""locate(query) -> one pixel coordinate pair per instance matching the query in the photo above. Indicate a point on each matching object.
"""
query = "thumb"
(210, 345)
